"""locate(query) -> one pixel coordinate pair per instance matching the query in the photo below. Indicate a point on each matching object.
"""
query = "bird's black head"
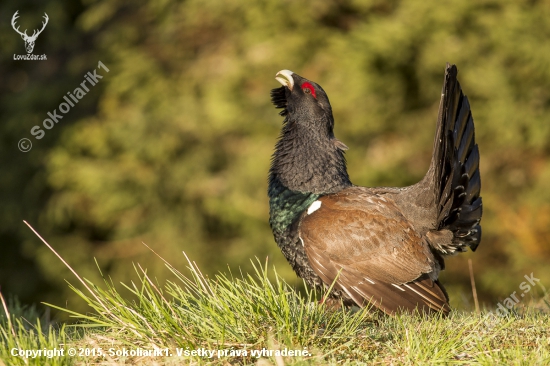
(301, 98)
(307, 158)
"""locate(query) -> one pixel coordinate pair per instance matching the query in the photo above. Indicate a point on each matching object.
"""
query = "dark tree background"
(173, 145)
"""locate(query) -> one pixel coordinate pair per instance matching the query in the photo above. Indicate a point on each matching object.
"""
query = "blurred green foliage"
(172, 147)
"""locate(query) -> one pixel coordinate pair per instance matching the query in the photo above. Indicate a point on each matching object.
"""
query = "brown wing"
(363, 239)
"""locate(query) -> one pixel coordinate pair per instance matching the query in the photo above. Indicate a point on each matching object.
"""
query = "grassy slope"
(252, 312)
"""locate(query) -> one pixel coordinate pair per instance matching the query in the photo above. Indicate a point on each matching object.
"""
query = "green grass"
(250, 312)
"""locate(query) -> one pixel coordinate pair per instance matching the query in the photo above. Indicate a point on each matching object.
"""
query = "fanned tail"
(455, 169)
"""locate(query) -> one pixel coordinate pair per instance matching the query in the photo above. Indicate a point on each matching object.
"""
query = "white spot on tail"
(314, 207)
(302, 240)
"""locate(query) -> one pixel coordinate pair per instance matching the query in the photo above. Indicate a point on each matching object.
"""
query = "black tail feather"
(456, 176)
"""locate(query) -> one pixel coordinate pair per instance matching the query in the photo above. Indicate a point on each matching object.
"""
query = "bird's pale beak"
(285, 78)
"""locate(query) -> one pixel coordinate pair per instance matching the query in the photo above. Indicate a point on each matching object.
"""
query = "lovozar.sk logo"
(29, 40)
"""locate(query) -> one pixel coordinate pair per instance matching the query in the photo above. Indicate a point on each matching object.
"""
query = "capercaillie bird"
(384, 246)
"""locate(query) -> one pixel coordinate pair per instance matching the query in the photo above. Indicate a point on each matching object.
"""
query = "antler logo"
(29, 41)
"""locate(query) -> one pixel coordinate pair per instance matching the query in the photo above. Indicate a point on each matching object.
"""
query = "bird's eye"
(309, 89)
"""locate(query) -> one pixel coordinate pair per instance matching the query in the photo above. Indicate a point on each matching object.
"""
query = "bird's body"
(383, 246)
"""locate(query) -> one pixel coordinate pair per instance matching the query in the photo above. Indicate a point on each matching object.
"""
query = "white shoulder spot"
(313, 207)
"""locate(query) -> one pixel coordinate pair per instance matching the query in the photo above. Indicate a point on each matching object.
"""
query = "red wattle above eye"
(307, 85)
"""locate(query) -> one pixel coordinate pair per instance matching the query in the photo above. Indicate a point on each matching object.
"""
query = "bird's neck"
(286, 205)
(306, 165)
